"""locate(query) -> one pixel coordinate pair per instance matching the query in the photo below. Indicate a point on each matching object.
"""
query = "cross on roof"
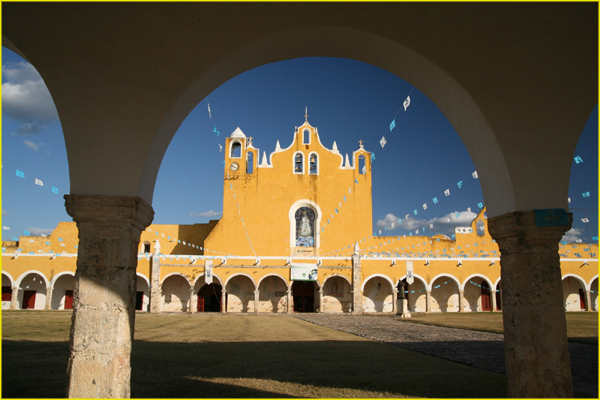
(360, 142)
(306, 114)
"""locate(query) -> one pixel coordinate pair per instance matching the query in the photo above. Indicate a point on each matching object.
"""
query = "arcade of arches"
(509, 77)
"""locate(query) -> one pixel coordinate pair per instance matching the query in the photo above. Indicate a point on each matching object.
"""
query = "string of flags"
(405, 105)
(36, 181)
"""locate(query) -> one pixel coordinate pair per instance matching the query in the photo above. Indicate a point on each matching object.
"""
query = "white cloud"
(444, 225)
(32, 145)
(33, 231)
(572, 235)
(29, 128)
(207, 214)
(25, 97)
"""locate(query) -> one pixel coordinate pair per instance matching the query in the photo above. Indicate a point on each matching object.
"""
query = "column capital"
(109, 210)
(519, 228)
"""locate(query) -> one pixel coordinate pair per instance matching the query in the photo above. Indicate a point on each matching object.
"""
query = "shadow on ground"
(193, 370)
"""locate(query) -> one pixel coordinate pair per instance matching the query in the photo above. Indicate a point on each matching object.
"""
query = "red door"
(6, 293)
(486, 301)
(68, 299)
(200, 304)
(28, 299)
(582, 299)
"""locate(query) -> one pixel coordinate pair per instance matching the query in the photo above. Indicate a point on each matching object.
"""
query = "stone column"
(290, 306)
(48, 305)
(535, 330)
(320, 309)
(193, 305)
(256, 297)
(395, 300)
(493, 296)
(155, 295)
(461, 300)
(104, 293)
(357, 307)
(588, 301)
(427, 300)
(223, 301)
(14, 298)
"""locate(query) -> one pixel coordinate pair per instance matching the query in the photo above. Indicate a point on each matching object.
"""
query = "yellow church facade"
(294, 237)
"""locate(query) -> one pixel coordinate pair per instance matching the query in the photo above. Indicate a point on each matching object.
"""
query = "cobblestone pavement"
(478, 349)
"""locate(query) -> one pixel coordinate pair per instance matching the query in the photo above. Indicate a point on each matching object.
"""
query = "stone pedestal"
(535, 331)
(104, 293)
(403, 309)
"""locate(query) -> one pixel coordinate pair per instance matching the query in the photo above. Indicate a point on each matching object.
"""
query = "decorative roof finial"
(306, 114)
(360, 142)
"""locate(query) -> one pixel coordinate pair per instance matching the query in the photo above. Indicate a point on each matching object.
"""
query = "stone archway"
(175, 293)
(32, 291)
(240, 294)
(272, 295)
(574, 295)
(62, 292)
(337, 295)
(378, 295)
(125, 105)
(444, 295)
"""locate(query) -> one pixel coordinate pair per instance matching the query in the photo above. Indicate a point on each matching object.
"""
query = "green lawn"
(203, 355)
(581, 326)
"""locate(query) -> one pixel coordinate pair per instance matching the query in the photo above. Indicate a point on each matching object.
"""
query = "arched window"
(362, 166)
(306, 137)
(298, 163)
(313, 167)
(250, 163)
(480, 228)
(305, 227)
(236, 150)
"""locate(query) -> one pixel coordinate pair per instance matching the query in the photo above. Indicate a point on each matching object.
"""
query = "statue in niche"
(305, 217)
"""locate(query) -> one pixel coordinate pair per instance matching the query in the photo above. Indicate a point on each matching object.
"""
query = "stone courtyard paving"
(478, 349)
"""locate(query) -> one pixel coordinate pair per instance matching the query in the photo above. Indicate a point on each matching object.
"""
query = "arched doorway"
(573, 294)
(272, 295)
(477, 294)
(444, 295)
(337, 295)
(32, 293)
(175, 291)
(303, 293)
(6, 292)
(378, 295)
(209, 298)
(594, 294)
(240, 294)
(62, 293)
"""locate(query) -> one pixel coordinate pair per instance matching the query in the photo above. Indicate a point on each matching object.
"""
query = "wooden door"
(139, 300)
(6, 293)
(200, 304)
(582, 299)
(486, 301)
(28, 299)
(68, 299)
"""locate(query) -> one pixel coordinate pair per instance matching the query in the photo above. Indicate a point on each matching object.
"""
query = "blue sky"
(347, 101)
